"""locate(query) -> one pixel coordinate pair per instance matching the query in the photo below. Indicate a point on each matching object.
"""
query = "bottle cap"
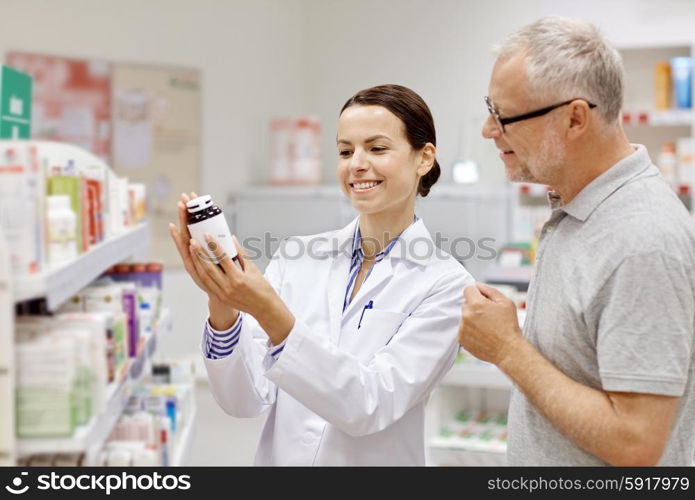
(199, 203)
(123, 268)
(138, 268)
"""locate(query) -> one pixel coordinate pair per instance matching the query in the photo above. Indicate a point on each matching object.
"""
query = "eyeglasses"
(501, 122)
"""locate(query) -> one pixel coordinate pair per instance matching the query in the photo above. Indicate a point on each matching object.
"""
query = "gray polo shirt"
(612, 305)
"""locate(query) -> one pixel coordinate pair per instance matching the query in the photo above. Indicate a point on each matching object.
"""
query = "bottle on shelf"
(61, 230)
(662, 85)
(682, 71)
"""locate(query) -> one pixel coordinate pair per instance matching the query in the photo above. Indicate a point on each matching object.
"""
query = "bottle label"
(216, 227)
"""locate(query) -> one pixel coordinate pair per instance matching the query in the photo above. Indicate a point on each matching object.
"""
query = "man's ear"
(579, 116)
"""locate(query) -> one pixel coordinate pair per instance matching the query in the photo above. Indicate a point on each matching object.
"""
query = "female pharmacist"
(349, 331)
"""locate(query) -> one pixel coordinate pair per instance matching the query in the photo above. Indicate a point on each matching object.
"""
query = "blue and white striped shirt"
(358, 259)
(221, 344)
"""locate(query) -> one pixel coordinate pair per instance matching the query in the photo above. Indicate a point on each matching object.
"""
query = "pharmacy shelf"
(454, 443)
(140, 365)
(454, 451)
(184, 441)
(88, 439)
(468, 374)
(661, 118)
(60, 283)
(91, 437)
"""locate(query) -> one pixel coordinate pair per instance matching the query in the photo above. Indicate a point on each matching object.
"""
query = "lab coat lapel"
(338, 278)
(414, 245)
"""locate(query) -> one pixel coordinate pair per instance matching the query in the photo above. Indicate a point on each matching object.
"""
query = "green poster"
(15, 104)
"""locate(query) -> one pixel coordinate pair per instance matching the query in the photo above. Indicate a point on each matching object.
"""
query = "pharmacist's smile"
(364, 186)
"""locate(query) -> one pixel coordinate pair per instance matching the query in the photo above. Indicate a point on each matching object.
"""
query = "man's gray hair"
(568, 58)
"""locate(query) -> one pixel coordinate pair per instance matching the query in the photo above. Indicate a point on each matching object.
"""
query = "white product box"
(47, 403)
(96, 324)
(21, 205)
(118, 207)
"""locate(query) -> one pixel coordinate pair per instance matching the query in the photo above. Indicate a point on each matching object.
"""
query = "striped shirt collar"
(357, 243)
(358, 258)
(414, 245)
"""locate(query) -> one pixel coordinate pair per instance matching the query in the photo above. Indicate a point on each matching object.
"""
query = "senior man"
(604, 369)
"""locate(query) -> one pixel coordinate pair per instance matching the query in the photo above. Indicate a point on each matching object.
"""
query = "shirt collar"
(414, 244)
(357, 244)
(603, 186)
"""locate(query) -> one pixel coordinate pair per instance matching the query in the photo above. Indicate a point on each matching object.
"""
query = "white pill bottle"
(61, 230)
(204, 217)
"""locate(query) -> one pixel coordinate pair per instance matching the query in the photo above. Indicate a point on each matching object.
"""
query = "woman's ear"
(427, 157)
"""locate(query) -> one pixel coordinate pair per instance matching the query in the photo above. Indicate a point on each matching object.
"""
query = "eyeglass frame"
(501, 122)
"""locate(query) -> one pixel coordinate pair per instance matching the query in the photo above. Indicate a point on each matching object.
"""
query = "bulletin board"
(71, 100)
(157, 140)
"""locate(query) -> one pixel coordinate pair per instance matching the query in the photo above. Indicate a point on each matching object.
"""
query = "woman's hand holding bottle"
(229, 288)
(222, 316)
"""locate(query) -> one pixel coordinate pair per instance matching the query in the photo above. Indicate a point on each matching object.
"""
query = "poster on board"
(156, 140)
(71, 100)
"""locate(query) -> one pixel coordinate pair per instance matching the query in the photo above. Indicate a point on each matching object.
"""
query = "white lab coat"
(339, 395)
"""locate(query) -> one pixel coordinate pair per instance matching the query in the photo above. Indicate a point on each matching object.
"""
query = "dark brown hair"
(415, 115)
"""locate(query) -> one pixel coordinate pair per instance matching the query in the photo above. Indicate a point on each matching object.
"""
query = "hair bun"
(429, 179)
